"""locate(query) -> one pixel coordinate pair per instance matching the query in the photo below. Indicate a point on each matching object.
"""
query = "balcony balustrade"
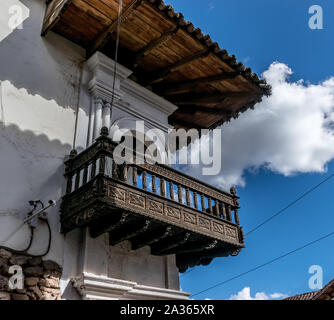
(149, 205)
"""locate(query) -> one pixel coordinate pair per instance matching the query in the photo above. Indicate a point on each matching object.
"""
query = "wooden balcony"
(149, 205)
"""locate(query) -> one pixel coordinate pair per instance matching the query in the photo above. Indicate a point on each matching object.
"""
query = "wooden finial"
(104, 132)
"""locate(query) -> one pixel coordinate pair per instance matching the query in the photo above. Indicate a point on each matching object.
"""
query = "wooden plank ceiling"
(167, 54)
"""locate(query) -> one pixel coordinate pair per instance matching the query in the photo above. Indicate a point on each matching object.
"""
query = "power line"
(264, 264)
(290, 204)
(282, 210)
(119, 22)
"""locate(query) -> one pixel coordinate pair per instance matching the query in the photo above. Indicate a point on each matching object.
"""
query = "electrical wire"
(2, 115)
(281, 211)
(265, 264)
(120, 6)
(78, 106)
(290, 205)
(24, 252)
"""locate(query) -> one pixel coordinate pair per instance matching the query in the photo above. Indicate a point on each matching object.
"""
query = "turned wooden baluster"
(77, 180)
(154, 184)
(203, 202)
(228, 212)
(171, 190)
(236, 216)
(144, 180)
(217, 209)
(69, 183)
(210, 206)
(188, 197)
(85, 175)
(233, 192)
(102, 165)
(125, 172)
(162, 187)
(179, 192)
(223, 211)
(195, 200)
(93, 169)
(114, 170)
(134, 176)
(69, 186)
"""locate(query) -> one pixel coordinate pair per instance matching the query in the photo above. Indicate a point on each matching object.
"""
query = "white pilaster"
(91, 123)
(106, 114)
(105, 88)
(106, 77)
(95, 255)
(98, 117)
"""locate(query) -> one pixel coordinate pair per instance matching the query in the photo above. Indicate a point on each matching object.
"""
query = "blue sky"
(260, 32)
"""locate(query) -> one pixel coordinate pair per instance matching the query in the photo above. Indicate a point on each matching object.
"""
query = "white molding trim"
(92, 287)
(137, 91)
(102, 83)
(150, 122)
(127, 95)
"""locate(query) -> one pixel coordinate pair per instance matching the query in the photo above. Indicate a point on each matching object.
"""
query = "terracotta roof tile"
(206, 40)
(304, 296)
(315, 295)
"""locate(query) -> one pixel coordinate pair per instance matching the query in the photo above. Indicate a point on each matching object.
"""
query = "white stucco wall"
(39, 97)
(44, 84)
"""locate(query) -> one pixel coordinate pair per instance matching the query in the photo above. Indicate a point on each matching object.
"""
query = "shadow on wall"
(31, 168)
(49, 67)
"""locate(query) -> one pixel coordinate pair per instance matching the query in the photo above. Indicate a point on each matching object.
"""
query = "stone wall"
(41, 278)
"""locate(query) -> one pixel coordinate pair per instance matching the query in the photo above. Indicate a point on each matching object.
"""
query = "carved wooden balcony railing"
(149, 205)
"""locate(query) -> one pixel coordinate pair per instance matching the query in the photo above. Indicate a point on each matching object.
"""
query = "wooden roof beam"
(151, 238)
(215, 98)
(161, 74)
(184, 124)
(53, 14)
(199, 246)
(154, 44)
(162, 247)
(191, 109)
(114, 221)
(171, 88)
(104, 37)
(129, 232)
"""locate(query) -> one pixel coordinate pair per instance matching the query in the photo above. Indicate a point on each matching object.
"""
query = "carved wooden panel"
(204, 223)
(156, 206)
(218, 228)
(190, 218)
(174, 213)
(136, 200)
(231, 232)
(83, 218)
(108, 194)
(120, 194)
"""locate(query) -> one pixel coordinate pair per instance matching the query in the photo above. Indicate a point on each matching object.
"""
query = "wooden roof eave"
(218, 75)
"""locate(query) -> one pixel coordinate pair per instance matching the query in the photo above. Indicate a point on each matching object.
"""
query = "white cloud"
(245, 294)
(278, 296)
(288, 133)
